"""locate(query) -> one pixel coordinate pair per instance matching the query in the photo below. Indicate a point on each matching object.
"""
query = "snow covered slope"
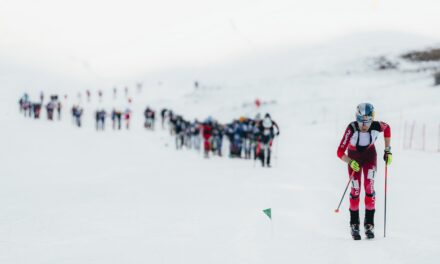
(71, 195)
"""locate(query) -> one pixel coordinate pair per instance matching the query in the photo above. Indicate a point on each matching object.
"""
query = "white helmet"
(365, 113)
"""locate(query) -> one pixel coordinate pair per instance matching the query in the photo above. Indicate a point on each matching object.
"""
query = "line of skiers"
(116, 117)
(33, 109)
(248, 138)
(100, 93)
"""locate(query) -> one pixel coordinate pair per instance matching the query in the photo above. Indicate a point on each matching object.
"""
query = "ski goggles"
(364, 120)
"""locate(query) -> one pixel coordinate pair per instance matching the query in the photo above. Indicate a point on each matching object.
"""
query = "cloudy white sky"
(115, 37)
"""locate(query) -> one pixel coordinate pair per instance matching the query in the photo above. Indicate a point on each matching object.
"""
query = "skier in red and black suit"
(207, 134)
(359, 139)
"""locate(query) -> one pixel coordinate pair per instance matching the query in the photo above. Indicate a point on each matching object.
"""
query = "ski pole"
(346, 187)
(385, 208)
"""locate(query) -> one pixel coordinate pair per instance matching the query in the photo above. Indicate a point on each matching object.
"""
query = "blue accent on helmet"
(365, 113)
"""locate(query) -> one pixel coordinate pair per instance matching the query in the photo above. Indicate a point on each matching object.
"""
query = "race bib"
(371, 174)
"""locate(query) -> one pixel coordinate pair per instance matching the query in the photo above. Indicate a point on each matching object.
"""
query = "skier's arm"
(387, 142)
(278, 128)
(386, 129)
(345, 158)
(344, 144)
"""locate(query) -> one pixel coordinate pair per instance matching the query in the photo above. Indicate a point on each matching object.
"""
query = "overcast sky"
(115, 37)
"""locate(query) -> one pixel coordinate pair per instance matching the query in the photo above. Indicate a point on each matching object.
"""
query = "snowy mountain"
(72, 195)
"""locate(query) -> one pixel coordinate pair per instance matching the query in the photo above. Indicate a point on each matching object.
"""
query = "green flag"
(268, 212)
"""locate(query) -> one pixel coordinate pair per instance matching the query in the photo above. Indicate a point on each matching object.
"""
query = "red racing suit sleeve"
(345, 141)
(386, 129)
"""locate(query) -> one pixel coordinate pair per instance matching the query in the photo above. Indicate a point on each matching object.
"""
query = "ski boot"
(355, 232)
(369, 223)
(354, 225)
(369, 231)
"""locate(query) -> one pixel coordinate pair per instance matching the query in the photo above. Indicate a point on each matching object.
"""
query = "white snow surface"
(70, 195)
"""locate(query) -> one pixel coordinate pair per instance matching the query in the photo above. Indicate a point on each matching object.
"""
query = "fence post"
(411, 136)
(438, 138)
(404, 145)
(424, 137)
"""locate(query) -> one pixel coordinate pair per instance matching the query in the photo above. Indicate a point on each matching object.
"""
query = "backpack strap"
(354, 125)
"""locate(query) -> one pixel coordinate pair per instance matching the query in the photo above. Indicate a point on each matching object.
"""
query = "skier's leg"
(268, 155)
(263, 154)
(369, 170)
(354, 194)
(177, 142)
(354, 203)
(370, 195)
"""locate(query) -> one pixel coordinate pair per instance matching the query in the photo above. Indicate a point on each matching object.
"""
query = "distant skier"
(100, 96)
(172, 119)
(116, 119)
(255, 135)
(115, 92)
(207, 134)
(21, 104)
(179, 130)
(36, 110)
(267, 134)
(235, 140)
(149, 115)
(195, 128)
(59, 110)
(163, 114)
(139, 88)
(359, 139)
(50, 108)
(25, 105)
(217, 138)
(88, 95)
(97, 125)
(100, 116)
(77, 112)
(127, 116)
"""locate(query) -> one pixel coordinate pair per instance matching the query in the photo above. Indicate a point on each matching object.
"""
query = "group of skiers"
(248, 138)
(32, 109)
(116, 116)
